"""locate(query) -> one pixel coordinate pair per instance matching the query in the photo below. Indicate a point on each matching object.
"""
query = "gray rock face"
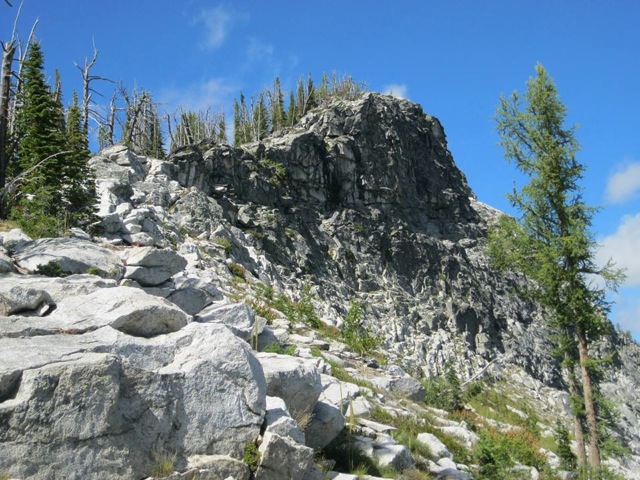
(14, 239)
(128, 310)
(282, 458)
(99, 405)
(72, 255)
(239, 317)
(16, 299)
(436, 447)
(6, 265)
(386, 451)
(327, 169)
(371, 201)
(295, 380)
(57, 288)
(360, 200)
(326, 424)
(150, 266)
(278, 420)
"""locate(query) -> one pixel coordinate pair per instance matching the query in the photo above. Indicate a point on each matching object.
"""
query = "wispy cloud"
(626, 312)
(217, 23)
(622, 247)
(261, 57)
(214, 93)
(258, 50)
(398, 90)
(624, 184)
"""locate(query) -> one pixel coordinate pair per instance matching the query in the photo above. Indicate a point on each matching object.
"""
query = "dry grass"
(5, 226)
(302, 417)
(163, 463)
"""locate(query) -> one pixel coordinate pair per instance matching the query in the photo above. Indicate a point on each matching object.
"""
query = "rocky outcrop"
(102, 404)
(144, 354)
(70, 255)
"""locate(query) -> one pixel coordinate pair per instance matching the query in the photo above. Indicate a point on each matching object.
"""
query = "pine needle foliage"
(551, 241)
(265, 111)
(54, 187)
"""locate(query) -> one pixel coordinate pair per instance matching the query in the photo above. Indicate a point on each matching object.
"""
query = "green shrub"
(277, 171)
(568, 460)
(496, 453)
(275, 347)
(225, 243)
(301, 311)
(237, 270)
(446, 392)
(251, 456)
(31, 217)
(350, 459)
(357, 335)
(51, 269)
(94, 271)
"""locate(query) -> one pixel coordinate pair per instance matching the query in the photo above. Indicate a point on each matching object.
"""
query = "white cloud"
(624, 184)
(623, 247)
(214, 93)
(626, 312)
(398, 90)
(217, 22)
(258, 50)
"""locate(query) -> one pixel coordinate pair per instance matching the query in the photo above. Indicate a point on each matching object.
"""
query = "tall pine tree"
(37, 206)
(551, 242)
(79, 180)
(54, 184)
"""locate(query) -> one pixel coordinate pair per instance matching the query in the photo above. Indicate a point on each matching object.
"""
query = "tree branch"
(20, 177)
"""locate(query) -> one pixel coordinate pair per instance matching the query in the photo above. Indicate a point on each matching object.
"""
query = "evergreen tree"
(245, 121)
(237, 125)
(551, 242)
(79, 180)
(311, 95)
(221, 136)
(291, 115)
(40, 136)
(301, 100)
(278, 115)
(153, 138)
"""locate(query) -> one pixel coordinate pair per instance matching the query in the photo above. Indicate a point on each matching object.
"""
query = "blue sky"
(454, 57)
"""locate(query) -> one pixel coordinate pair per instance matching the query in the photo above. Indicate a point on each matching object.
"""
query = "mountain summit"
(350, 240)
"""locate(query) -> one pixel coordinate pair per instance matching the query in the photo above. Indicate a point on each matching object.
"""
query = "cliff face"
(361, 200)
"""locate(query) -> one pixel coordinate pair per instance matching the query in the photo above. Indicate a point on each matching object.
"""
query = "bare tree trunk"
(5, 91)
(87, 91)
(589, 400)
(581, 453)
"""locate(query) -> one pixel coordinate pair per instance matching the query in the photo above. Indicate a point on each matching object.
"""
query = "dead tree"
(106, 131)
(87, 91)
(6, 111)
(8, 52)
